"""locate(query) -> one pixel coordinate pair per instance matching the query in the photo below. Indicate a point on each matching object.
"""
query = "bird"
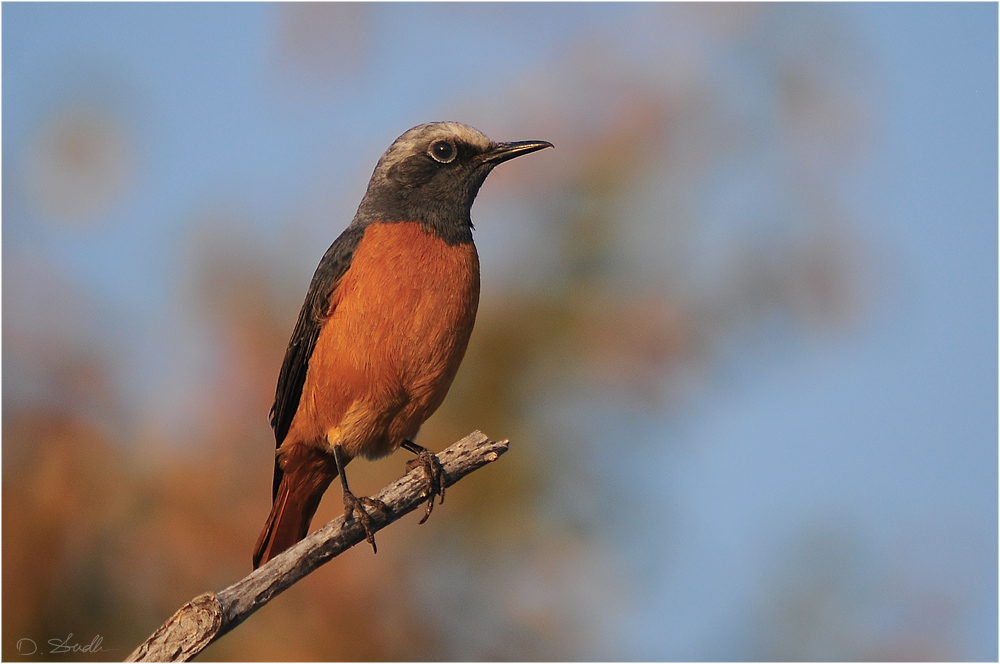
(384, 326)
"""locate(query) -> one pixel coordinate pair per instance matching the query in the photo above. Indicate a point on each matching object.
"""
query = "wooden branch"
(207, 617)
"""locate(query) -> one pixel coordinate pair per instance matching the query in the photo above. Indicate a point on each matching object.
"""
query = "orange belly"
(397, 329)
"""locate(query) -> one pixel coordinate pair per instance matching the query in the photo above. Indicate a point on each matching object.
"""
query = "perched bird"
(383, 328)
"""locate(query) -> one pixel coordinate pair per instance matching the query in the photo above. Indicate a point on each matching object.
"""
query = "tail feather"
(294, 506)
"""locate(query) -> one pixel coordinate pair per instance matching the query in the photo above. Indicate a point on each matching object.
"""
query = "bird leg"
(432, 469)
(354, 505)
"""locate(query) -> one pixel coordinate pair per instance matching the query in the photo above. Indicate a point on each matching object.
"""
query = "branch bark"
(207, 617)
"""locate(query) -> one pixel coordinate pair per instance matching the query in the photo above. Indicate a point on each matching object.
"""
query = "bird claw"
(435, 478)
(356, 506)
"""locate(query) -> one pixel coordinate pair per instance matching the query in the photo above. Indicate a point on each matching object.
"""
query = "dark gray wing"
(313, 315)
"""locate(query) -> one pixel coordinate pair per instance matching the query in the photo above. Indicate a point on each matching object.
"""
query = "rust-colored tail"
(294, 506)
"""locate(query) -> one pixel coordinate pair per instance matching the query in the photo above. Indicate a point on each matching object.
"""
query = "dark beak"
(501, 152)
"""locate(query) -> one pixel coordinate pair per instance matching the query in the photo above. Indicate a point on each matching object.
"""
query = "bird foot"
(434, 472)
(354, 506)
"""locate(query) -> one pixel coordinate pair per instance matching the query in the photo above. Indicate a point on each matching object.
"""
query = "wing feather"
(314, 313)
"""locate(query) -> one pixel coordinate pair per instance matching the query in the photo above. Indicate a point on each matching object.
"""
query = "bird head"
(432, 174)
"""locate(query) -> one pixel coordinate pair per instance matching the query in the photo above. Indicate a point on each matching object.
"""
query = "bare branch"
(207, 617)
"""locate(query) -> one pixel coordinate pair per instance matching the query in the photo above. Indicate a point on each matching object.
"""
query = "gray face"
(432, 174)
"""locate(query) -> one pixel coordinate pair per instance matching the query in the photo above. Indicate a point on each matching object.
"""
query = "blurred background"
(740, 325)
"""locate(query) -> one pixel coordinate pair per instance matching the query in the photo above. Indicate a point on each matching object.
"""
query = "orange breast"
(398, 328)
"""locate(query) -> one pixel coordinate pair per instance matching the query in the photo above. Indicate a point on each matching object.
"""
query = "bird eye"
(443, 151)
